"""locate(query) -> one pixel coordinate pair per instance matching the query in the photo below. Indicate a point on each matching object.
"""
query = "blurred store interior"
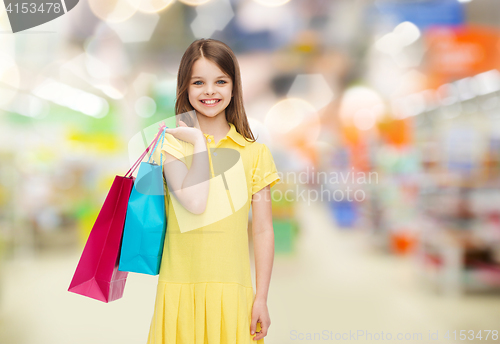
(383, 118)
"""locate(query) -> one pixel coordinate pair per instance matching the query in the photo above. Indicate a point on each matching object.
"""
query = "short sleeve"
(174, 147)
(264, 170)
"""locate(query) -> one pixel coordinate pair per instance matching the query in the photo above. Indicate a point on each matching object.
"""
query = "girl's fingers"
(253, 326)
(263, 331)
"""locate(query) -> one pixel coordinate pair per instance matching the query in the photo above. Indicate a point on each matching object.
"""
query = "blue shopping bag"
(145, 222)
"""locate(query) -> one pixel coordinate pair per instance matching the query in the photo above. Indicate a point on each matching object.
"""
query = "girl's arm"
(189, 186)
(263, 239)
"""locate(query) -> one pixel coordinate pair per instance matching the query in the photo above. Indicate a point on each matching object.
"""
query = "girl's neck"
(218, 127)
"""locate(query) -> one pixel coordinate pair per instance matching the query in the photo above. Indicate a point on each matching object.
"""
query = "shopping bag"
(145, 223)
(97, 275)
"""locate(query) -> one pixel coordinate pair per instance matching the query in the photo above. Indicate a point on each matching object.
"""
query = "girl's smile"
(210, 102)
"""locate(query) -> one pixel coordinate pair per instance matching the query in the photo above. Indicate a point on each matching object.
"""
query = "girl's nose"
(209, 90)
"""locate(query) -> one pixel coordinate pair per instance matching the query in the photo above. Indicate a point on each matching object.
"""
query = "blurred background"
(383, 118)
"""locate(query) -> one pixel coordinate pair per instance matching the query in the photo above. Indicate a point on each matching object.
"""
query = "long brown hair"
(220, 54)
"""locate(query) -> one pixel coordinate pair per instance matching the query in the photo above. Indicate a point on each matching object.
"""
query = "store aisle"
(332, 283)
(37, 308)
(337, 283)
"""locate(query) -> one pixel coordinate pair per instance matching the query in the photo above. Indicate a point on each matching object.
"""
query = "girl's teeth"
(210, 101)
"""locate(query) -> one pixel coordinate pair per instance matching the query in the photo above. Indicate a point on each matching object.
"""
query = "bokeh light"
(403, 35)
(313, 88)
(364, 99)
(114, 11)
(211, 17)
(272, 3)
(9, 78)
(138, 28)
(195, 2)
(145, 106)
(73, 98)
(293, 120)
(150, 6)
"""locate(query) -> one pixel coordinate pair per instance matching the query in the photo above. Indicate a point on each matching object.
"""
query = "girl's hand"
(183, 132)
(260, 315)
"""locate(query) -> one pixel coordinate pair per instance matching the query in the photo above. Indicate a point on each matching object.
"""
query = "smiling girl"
(214, 173)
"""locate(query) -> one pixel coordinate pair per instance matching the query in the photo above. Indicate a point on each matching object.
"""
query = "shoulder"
(254, 148)
(258, 151)
(255, 145)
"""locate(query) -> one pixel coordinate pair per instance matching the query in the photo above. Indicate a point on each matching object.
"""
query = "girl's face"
(210, 90)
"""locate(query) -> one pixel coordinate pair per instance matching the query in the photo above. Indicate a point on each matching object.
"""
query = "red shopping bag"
(97, 275)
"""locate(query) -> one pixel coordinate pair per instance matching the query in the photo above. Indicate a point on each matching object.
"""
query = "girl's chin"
(209, 113)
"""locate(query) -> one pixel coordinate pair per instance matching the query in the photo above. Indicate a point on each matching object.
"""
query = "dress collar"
(234, 135)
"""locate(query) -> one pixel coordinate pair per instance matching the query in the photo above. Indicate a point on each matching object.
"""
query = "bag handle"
(162, 138)
(136, 164)
(154, 149)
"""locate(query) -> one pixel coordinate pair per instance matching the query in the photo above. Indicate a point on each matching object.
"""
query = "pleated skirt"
(202, 313)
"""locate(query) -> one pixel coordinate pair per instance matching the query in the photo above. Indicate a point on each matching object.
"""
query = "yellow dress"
(205, 293)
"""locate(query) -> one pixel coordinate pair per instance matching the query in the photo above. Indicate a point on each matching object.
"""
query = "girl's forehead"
(206, 68)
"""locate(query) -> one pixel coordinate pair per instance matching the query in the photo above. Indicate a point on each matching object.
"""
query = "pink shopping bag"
(97, 275)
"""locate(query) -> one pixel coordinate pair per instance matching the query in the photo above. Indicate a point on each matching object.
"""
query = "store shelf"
(450, 261)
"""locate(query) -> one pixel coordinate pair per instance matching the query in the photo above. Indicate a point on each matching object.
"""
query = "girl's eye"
(223, 82)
